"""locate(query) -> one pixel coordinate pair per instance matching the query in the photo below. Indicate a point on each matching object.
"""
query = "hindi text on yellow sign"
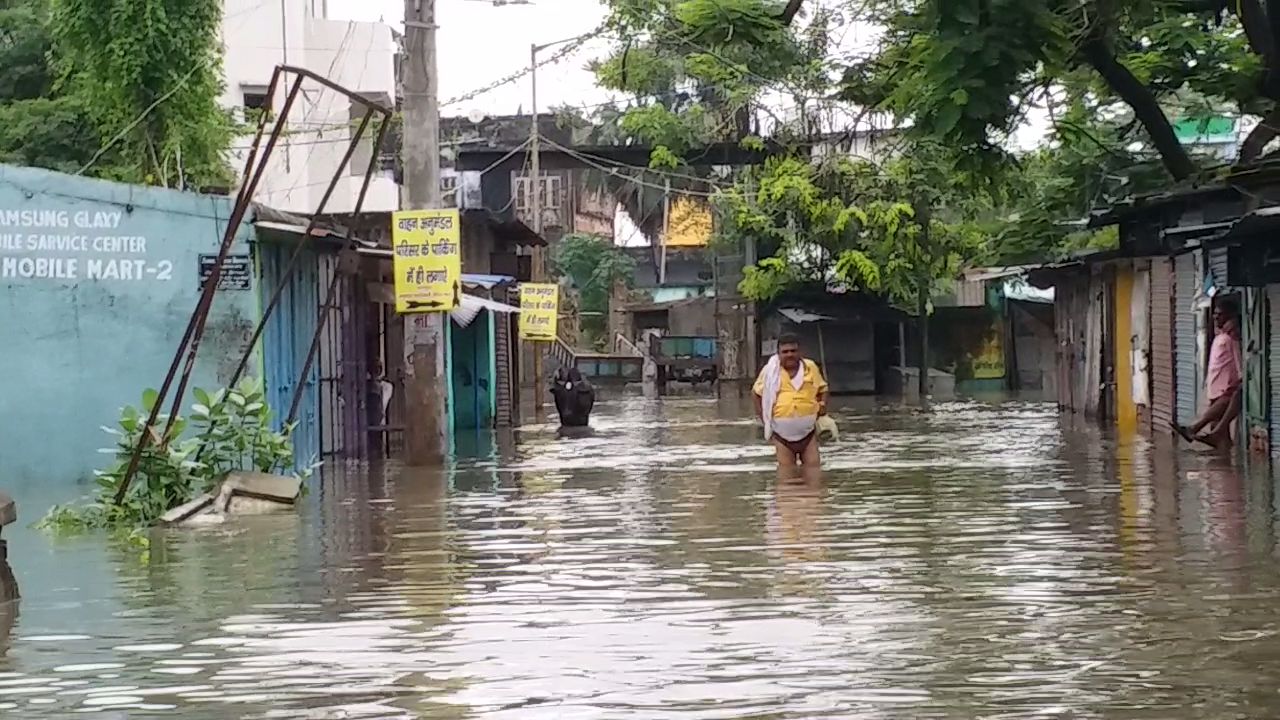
(539, 305)
(427, 263)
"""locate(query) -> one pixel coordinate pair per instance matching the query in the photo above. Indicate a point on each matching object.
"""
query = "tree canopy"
(124, 90)
(38, 126)
(967, 72)
(1111, 79)
(594, 265)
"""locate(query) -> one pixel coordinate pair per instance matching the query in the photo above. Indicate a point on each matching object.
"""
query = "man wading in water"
(1222, 386)
(790, 395)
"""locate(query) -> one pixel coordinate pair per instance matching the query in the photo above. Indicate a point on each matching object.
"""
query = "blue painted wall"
(97, 282)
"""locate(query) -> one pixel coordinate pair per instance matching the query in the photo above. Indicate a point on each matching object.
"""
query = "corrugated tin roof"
(488, 282)
(801, 316)
(470, 306)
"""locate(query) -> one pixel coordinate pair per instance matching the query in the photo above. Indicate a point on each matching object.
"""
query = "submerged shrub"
(229, 431)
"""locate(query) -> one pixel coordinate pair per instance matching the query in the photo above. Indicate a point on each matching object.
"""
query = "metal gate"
(1254, 335)
(1273, 363)
(286, 341)
(1162, 359)
(1185, 386)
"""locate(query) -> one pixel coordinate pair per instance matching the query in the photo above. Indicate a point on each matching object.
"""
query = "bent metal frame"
(253, 170)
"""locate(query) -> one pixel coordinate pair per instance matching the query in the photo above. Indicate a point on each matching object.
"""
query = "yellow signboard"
(690, 224)
(427, 263)
(539, 305)
(988, 363)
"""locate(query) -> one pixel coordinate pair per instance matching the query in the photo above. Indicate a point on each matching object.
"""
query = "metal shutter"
(1184, 327)
(1273, 363)
(1162, 362)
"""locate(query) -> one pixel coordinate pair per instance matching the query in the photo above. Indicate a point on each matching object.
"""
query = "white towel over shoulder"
(787, 428)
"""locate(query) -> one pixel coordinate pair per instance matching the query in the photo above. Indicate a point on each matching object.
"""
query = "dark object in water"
(574, 433)
(574, 397)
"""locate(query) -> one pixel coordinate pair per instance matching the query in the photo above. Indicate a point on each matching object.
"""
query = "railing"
(684, 347)
(623, 346)
(563, 354)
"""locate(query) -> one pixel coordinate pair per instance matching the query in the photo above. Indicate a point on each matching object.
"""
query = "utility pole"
(535, 203)
(424, 344)
(539, 271)
(924, 217)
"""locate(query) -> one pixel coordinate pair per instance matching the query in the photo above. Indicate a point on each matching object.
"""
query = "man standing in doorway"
(790, 394)
(1222, 384)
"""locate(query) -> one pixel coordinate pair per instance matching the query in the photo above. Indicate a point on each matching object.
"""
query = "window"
(255, 102)
(551, 197)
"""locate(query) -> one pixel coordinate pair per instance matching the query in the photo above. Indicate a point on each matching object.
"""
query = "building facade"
(1134, 324)
(100, 279)
(361, 56)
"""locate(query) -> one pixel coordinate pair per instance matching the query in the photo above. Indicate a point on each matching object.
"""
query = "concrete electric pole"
(424, 340)
(535, 203)
(539, 272)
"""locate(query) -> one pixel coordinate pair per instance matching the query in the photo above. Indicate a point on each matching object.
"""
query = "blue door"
(285, 343)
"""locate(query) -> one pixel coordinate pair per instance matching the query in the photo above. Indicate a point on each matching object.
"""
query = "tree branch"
(1146, 109)
(1197, 7)
(1256, 141)
(790, 11)
(1260, 31)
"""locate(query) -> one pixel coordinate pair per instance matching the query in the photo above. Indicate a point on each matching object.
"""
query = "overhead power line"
(523, 72)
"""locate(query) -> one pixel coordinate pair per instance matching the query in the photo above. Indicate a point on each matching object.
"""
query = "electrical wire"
(558, 55)
(598, 162)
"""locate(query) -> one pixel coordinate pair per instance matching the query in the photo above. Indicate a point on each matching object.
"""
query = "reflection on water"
(983, 561)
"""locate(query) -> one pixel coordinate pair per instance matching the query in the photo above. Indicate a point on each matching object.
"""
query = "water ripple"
(982, 561)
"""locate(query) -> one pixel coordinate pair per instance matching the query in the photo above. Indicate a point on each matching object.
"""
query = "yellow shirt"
(792, 402)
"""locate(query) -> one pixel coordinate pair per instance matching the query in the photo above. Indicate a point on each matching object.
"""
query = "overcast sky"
(480, 43)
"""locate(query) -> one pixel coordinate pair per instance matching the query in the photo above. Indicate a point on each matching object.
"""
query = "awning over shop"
(488, 282)
(470, 306)
(801, 316)
(1019, 289)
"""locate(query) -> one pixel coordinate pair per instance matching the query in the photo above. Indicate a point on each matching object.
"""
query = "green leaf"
(944, 123)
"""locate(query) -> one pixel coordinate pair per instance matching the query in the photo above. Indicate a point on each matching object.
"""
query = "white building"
(360, 56)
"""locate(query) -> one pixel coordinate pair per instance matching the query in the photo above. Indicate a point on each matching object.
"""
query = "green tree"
(967, 72)
(38, 126)
(595, 265)
(903, 228)
(148, 72)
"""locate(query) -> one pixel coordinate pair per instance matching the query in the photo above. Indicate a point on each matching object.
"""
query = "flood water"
(981, 562)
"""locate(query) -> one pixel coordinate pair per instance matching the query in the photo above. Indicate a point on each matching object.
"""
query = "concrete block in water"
(242, 493)
(277, 489)
(186, 511)
(8, 511)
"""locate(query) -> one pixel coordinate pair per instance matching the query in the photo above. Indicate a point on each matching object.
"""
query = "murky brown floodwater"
(979, 563)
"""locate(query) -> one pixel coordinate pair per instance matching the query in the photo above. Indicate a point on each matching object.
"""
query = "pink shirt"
(1224, 365)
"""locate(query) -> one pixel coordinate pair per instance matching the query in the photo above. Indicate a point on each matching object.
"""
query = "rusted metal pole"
(286, 276)
(279, 289)
(215, 276)
(195, 325)
(368, 102)
(333, 281)
(257, 136)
